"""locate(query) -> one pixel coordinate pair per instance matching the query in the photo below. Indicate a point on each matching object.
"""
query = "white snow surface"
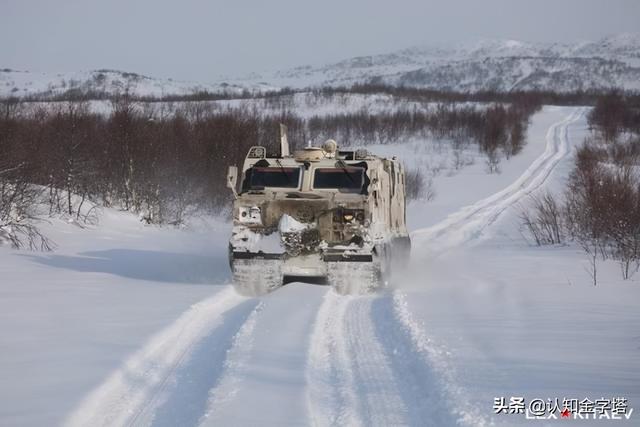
(128, 324)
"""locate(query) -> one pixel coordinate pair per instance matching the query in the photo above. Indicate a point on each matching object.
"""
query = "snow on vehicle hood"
(245, 239)
(289, 224)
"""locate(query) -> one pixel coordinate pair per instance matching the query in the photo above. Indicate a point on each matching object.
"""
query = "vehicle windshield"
(280, 177)
(347, 179)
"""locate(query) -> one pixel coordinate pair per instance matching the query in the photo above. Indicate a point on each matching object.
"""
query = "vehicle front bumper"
(345, 256)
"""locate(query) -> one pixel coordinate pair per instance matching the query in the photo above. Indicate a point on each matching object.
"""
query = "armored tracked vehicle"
(322, 215)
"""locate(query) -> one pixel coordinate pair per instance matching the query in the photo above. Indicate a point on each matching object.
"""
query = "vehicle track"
(133, 393)
(331, 396)
(430, 388)
(371, 363)
(348, 373)
(469, 222)
(235, 367)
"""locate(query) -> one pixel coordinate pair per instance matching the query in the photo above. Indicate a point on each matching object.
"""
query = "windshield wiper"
(282, 169)
(343, 166)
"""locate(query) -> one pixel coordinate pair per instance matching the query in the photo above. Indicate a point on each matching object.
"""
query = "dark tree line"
(531, 97)
(497, 127)
(613, 114)
(65, 159)
(156, 166)
(92, 94)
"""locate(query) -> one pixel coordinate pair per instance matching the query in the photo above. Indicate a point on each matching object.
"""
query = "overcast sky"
(200, 40)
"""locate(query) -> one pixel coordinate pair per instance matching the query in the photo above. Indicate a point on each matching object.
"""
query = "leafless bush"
(418, 186)
(493, 162)
(23, 234)
(543, 220)
(17, 201)
(600, 210)
(625, 154)
(603, 197)
(613, 114)
(603, 209)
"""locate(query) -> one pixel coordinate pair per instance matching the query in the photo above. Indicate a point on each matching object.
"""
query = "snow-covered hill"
(612, 62)
(487, 64)
(26, 83)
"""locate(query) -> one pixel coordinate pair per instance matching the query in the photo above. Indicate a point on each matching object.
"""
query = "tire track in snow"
(209, 364)
(469, 222)
(422, 365)
(331, 396)
(370, 362)
(376, 381)
(132, 394)
(429, 385)
(266, 377)
(349, 378)
(235, 367)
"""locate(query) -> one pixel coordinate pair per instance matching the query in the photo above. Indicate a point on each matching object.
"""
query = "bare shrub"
(608, 115)
(625, 154)
(600, 210)
(603, 210)
(543, 220)
(17, 201)
(493, 162)
(418, 186)
(460, 159)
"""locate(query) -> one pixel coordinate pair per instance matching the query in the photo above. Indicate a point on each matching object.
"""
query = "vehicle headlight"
(249, 215)
(349, 216)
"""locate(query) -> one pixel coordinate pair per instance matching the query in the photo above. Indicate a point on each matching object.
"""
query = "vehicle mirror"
(374, 185)
(232, 179)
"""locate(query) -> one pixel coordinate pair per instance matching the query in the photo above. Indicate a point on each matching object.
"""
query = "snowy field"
(126, 324)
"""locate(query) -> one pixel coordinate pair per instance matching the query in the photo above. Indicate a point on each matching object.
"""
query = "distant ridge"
(484, 64)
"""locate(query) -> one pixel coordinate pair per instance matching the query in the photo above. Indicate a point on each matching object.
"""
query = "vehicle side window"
(258, 178)
(344, 179)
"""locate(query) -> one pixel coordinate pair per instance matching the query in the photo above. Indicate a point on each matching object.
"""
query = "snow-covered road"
(306, 356)
(469, 222)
